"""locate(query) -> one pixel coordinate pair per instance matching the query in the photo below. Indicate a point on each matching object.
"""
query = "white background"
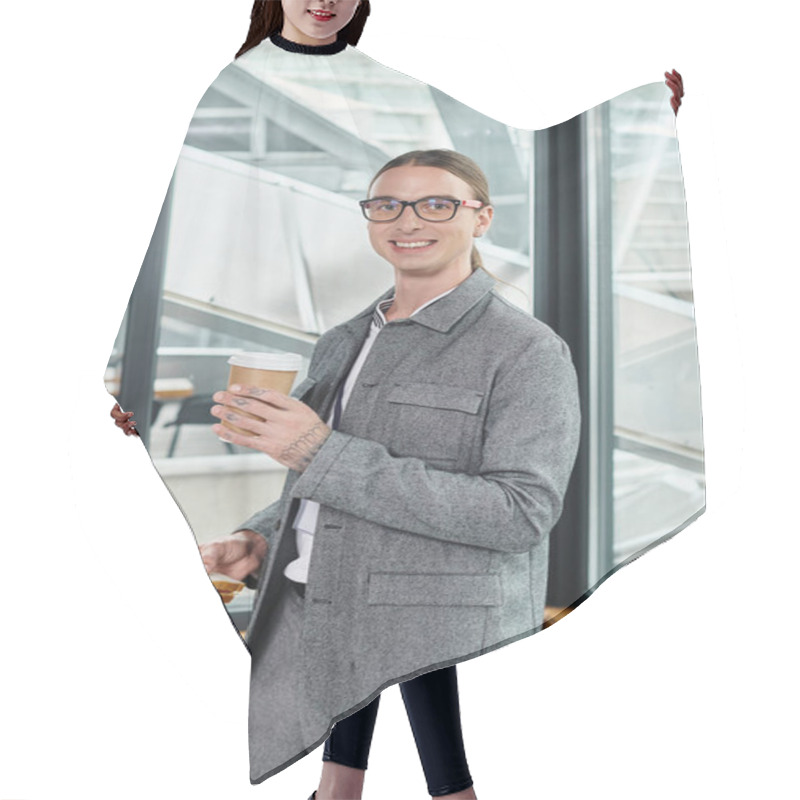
(674, 679)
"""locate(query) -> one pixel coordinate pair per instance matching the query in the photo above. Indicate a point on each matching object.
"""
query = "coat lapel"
(345, 343)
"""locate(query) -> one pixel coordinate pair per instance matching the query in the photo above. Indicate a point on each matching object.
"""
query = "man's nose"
(408, 219)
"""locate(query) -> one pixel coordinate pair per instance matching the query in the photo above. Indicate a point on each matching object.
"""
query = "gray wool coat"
(438, 492)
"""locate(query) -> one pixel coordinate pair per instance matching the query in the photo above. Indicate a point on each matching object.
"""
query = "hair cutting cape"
(504, 452)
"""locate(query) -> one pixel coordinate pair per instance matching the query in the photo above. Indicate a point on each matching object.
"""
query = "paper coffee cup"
(266, 371)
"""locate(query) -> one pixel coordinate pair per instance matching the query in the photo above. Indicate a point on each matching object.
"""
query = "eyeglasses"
(431, 209)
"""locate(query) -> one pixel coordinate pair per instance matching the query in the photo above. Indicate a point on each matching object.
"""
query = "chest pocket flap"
(437, 395)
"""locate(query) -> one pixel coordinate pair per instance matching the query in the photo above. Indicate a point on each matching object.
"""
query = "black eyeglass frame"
(413, 203)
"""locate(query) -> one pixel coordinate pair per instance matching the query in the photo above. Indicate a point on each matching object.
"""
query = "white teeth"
(412, 244)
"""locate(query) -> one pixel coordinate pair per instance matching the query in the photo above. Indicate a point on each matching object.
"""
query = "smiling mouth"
(413, 245)
(321, 15)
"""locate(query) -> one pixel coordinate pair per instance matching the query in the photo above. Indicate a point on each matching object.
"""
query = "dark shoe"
(313, 795)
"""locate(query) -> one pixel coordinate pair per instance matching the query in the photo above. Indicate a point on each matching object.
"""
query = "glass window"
(658, 441)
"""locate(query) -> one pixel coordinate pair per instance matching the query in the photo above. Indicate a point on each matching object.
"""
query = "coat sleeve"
(264, 523)
(530, 442)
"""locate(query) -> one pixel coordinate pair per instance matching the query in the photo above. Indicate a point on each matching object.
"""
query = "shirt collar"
(441, 315)
(379, 314)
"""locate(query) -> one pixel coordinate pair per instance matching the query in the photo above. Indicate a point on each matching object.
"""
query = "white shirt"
(305, 522)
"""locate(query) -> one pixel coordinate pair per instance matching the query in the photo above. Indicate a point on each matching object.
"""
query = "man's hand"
(236, 556)
(283, 428)
(675, 82)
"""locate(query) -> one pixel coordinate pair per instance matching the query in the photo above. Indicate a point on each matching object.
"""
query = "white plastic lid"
(279, 362)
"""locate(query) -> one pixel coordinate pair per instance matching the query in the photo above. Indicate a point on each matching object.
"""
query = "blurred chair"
(194, 410)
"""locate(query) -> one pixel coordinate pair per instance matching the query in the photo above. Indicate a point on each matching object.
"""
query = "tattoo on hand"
(300, 452)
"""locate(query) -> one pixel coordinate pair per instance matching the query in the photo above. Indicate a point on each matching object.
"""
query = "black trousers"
(431, 702)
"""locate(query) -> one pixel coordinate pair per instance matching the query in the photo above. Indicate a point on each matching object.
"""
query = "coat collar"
(441, 315)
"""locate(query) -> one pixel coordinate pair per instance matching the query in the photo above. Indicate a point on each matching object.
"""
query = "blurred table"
(163, 388)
